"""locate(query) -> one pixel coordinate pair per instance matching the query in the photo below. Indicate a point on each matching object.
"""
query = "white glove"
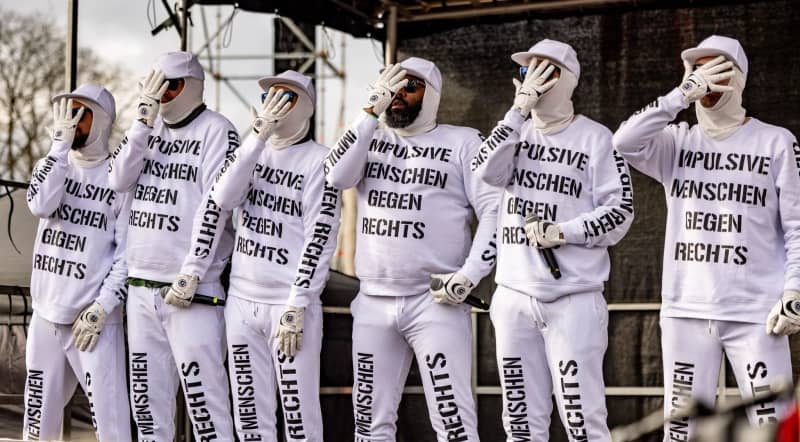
(451, 288)
(697, 83)
(784, 318)
(382, 91)
(534, 86)
(181, 292)
(273, 111)
(64, 123)
(544, 234)
(290, 330)
(150, 92)
(86, 329)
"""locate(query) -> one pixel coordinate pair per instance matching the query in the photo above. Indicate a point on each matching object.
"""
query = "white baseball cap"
(424, 69)
(96, 96)
(292, 78)
(718, 45)
(558, 51)
(179, 64)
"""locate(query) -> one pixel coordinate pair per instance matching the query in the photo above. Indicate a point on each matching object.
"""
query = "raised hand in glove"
(86, 329)
(534, 86)
(697, 83)
(290, 330)
(274, 109)
(150, 92)
(784, 318)
(181, 292)
(64, 123)
(544, 234)
(452, 288)
(382, 91)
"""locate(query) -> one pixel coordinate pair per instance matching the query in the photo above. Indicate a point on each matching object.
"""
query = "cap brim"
(523, 58)
(93, 105)
(75, 96)
(413, 72)
(268, 82)
(693, 54)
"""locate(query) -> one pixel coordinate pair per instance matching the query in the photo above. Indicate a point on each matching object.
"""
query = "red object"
(789, 429)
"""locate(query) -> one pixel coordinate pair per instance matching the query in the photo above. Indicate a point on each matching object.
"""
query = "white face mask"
(426, 120)
(554, 110)
(180, 107)
(96, 149)
(296, 124)
(721, 120)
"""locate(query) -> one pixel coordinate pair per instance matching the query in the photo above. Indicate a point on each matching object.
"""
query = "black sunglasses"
(174, 83)
(291, 95)
(75, 111)
(413, 84)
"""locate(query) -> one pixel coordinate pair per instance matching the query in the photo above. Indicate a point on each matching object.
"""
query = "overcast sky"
(119, 31)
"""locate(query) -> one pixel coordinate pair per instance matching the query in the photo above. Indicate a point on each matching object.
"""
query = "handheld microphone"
(207, 300)
(471, 300)
(547, 254)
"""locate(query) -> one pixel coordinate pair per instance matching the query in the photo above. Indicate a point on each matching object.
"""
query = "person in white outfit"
(169, 158)
(567, 192)
(287, 222)
(416, 200)
(732, 244)
(78, 279)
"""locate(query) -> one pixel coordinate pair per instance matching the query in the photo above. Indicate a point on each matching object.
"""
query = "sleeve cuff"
(108, 301)
(573, 231)
(471, 272)
(792, 284)
(675, 99)
(59, 150)
(297, 298)
(138, 129)
(513, 119)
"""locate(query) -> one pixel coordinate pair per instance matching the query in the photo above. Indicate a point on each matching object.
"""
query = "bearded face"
(401, 113)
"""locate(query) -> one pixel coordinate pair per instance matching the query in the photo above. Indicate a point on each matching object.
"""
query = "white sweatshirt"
(287, 219)
(416, 199)
(175, 227)
(732, 241)
(79, 253)
(572, 177)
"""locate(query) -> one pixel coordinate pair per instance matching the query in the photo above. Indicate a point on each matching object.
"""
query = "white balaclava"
(103, 107)
(554, 110)
(190, 98)
(183, 65)
(426, 120)
(297, 123)
(727, 115)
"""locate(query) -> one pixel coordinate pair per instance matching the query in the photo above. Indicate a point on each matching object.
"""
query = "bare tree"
(31, 72)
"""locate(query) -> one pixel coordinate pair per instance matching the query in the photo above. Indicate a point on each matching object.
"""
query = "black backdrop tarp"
(627, 59)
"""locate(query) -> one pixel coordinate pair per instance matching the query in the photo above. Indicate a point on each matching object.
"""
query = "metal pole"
(71, 47)
(391, 36)
(184, 24)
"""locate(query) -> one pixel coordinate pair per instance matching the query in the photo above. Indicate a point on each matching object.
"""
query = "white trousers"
(259, 372)
(692, 353)
(551, 348)
(387, 333)
(55, 367)
(170, 346)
